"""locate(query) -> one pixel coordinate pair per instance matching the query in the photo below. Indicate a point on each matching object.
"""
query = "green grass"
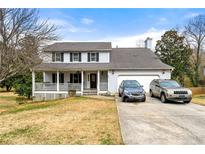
(18, 132)
(199, 99)
(107, 140)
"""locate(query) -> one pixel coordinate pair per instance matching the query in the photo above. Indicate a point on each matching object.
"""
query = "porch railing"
(53, 86)
(103, 86)
(45, 86)
(65, 86)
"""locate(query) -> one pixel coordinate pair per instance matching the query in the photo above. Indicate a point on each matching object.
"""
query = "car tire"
(163, 98)
(151, 94)
(125, 99)
(187, 102)
(143, 100)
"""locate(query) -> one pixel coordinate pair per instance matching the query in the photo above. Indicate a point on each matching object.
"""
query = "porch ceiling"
(71, 67)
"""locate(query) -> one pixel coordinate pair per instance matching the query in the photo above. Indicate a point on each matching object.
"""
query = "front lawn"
(199, 99)
(76, 120)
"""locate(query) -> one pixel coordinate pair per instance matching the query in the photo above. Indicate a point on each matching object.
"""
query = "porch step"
(90, 92)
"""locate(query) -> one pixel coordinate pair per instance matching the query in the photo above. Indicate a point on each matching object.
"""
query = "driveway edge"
(119, 119)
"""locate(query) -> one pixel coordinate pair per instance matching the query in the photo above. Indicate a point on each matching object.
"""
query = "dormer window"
(75, 57)
(57, 57)
(93, 57)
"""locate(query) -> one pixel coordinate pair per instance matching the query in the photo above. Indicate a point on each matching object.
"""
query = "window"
(75, 57)
(93, 57)
(75, 78)
(61, 77)
(57, 57)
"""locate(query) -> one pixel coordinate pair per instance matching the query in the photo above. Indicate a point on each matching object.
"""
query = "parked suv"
(131, 90)
(170, 90)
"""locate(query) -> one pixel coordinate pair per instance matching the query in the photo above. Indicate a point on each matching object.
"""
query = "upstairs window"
(57, 57)
(75, 57)
(93, 57)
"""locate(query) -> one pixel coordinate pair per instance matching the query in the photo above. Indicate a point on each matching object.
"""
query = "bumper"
(133, 98)
(179, 98)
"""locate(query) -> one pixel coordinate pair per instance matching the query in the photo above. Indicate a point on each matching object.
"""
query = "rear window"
(131, 84)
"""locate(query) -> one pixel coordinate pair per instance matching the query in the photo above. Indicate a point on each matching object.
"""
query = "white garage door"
(144, 80)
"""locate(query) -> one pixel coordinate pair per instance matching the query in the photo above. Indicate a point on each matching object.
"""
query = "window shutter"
(53, 56)
(97, 56)
(79, 77)
(61, 77)
(54, 77)
(62, 57)
(71, 78)
(71, 57)
(79, 57)
(88, 57)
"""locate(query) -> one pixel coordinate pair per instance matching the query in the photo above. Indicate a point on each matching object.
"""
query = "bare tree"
(22, 33)
(195, 34)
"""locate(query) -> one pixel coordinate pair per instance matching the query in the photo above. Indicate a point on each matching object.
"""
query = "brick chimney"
(148, 43)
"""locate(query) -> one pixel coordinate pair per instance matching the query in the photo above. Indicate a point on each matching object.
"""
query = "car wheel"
(187, 102)
(125, 99)
(151, 94)
(144, 99)
(163, 98)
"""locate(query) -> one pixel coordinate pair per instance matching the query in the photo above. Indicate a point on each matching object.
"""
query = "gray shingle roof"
(120, 58)
(136, 58)
(79, 46)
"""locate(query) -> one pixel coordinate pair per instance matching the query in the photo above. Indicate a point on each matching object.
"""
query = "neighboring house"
(94, 68)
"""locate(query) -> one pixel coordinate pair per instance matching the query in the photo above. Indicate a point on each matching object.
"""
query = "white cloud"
(162, 19)
(191, 15)
(131, 41)
(87, 21)
(65, 26)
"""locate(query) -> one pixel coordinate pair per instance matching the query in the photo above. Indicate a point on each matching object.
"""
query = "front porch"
(61, 82)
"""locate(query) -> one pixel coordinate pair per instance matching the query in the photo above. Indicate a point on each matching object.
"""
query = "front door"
(93, 81)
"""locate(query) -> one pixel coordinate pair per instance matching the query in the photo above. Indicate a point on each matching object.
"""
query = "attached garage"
(144, 80)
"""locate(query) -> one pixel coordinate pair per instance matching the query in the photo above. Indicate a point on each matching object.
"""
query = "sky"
(122, 27)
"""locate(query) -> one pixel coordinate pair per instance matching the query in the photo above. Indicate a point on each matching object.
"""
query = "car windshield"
(169, 84)
(131, 84)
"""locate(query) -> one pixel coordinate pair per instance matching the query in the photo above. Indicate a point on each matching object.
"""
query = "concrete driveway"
(153, 122)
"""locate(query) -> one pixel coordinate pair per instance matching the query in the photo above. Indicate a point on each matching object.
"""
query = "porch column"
(98, 82)
(44, 77)
(57, 80)
(82, 82)
(33, 82)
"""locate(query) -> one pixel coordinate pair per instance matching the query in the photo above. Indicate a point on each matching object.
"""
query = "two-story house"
(94, 68)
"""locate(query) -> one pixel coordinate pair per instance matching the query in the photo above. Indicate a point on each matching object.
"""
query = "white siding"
(84, 57)
(66, 57)
(104, 57)
(113, 77)
(48, 76)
